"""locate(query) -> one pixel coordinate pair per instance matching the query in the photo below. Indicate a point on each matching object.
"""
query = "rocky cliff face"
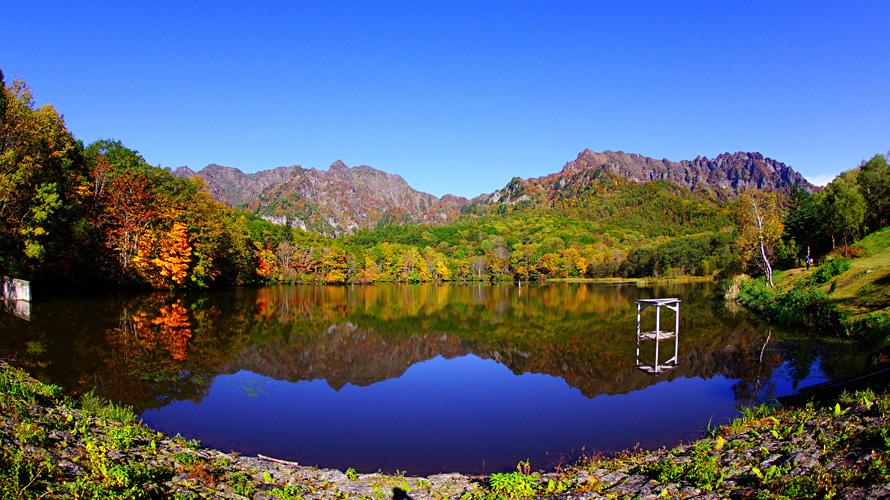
(334, 202)
(702, 179)
(233, 187)
(724, 174)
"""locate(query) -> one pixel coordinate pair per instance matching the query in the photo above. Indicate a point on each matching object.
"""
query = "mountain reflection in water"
(422, 378)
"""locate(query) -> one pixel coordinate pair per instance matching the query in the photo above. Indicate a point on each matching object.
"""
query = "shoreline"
(53, 447)
(636, 281)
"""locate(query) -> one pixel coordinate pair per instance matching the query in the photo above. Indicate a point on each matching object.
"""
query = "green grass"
(874, 243)
(850, 297)
(865, 287)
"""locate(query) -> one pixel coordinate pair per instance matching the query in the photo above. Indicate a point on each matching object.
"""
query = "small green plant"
(91, 404)
(241, 483)
(829, 269)
(513, 485)
(555, 487)
(31, 434)
(108, 478)
(291, 492)
(185, 458)
(122, 437)
(18, 474)
(351, 474)
(700, 469)
(519, 484)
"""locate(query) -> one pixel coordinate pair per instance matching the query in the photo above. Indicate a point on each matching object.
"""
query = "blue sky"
(459, 97)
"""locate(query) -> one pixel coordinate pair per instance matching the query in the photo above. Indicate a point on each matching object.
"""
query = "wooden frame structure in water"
(658, 334)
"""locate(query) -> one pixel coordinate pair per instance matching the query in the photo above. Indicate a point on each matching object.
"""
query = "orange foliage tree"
(164, 261)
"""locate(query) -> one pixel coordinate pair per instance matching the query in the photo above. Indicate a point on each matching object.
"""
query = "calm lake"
(418, 378)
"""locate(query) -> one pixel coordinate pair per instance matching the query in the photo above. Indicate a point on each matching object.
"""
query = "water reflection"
(658, 334)
(18, 308)
(467, 362)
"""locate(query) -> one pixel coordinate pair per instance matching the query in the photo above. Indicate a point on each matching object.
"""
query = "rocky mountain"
(342, 199)
(726, 173)
(722, 176)
(333, 202)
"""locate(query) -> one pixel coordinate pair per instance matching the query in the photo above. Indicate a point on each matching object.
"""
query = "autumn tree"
(442, 271)
(335, 265)
(758, 229)
(265, 260)
(124, 203)
(163, 257)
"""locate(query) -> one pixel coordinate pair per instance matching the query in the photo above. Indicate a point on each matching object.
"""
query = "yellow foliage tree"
(335, 264)
(173, 254)
(443, 271)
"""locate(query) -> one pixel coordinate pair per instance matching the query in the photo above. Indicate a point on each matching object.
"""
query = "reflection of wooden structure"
(15, 297)
(658, 334)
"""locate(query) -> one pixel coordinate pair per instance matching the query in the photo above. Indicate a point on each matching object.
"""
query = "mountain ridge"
(728, 171)
(343, 199)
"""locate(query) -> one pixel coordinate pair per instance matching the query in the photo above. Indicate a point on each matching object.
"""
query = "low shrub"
(807, 305)
(829, 269)
(804, 305)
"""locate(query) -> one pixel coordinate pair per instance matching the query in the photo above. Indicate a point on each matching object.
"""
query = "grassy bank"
(53, 447)
(846, 296)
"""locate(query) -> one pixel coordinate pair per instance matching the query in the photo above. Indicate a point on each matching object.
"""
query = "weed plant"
(91, 404)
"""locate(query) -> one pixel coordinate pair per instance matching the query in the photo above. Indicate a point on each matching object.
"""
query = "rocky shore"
(53, 447)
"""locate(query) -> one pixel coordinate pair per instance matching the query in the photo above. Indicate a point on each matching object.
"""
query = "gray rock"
(611, 479)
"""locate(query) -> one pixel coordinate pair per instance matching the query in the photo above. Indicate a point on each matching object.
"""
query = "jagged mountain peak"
(335, 201)
(724, 175)
(338, 167)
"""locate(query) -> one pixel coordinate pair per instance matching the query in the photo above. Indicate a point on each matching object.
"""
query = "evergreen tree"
(801, 219)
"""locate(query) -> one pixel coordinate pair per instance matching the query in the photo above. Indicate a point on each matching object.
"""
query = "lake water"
(418, 378)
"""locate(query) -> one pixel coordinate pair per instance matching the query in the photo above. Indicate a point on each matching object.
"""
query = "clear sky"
(459, 97)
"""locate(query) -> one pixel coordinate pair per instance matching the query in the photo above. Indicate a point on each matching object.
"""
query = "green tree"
(41, 171)
(874, 179)
(801, 219)
(844, 208)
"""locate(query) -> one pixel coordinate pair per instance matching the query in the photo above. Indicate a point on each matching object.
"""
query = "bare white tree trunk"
(768, 269)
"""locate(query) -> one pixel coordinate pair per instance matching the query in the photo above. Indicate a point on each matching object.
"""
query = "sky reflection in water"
(472, 413)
